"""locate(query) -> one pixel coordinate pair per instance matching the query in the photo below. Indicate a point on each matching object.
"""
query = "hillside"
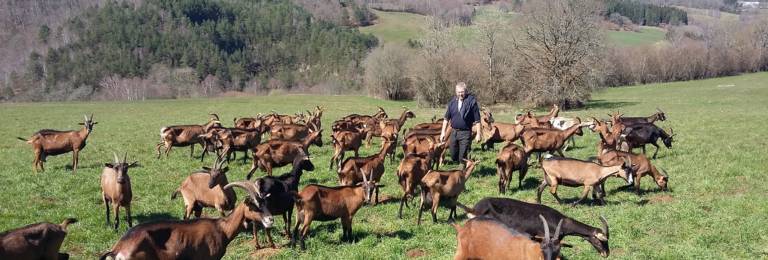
(716, 175)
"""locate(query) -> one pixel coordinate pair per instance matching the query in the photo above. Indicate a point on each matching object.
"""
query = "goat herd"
(499, 228)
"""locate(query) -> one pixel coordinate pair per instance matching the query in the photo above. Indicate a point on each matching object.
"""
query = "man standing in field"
(463, 112)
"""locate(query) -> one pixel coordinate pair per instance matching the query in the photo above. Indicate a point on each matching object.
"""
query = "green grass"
(716, 210)
(396, 27)
(646, 36)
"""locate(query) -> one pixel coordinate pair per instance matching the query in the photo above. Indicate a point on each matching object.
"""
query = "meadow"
(716, 209)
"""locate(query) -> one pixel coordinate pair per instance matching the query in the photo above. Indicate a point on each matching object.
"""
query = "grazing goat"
(659, 115)
(444, 184)
(48, 142)
(548, 140)
(511, 158)
(185, 135)
(321, 203)
(641, 166)
(281, 188)
(351, 170)
(574, 173)
(411, 170)
(116, 188)
(343, 141)
(35, 241)
(278, 153)
(205, 188)
(230, 140)
(295, 132)
(639, 135)
(488, 238)
(202, 238)
(522, 216)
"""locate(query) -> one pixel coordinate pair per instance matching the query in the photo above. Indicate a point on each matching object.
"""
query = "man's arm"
(446, 118)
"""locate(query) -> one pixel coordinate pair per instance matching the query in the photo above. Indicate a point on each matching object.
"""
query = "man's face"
(460, 93)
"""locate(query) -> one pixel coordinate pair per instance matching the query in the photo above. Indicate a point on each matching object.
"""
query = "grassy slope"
(398, 27)
(716, 209)
(647, 35)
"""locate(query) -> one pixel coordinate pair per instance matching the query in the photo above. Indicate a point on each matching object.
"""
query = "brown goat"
(294, 132)
(351, 170)
(511, 158)
(496, 132)
(202, 238)
(574, 173)
(641, 166)
(444, 184)
(278, 153)
(543, 120)
(205, 188)
(426, 144)
(230, 140)
(411, 170)
(343, 141)
(316, 202)
(488, 238)
(250, 123)
(35, 241)
(548, 140)
(49, 142)
(185, 135)
(116, 188)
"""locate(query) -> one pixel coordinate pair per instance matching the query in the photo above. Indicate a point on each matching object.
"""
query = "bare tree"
(560, 45)
(386, 74)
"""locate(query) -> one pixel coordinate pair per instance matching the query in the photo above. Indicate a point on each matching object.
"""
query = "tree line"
(240, 43)
(645, 13)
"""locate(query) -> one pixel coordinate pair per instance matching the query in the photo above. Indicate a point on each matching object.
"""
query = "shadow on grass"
(485, 172)
(143, 218)
(587, 202)
(400, 234)
(605, 104)
(528, 183)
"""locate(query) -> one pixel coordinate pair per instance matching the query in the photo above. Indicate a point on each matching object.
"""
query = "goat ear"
(95, 123)
(110, 165)
(134, 164)
(225, 170)
(81, 123)
(206, 168)
(380, 185)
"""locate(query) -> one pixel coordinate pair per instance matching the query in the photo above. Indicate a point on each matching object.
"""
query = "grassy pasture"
(646, 36)
(716, 209)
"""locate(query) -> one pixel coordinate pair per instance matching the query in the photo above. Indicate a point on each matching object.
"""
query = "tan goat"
(444, 184)
(511, 158)
(575, 173)
(487, 238)
(116, 188)
(205, 188)
(49, 142)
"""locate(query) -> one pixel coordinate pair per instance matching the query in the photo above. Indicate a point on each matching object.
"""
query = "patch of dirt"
(265, 253)
(661, 199)
(414, 253)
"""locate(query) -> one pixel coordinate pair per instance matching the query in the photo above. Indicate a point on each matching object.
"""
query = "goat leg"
(421, 206)
(106, 205)
(402, 202)
(435, 205)
(117, 216)
(74, 161)
(540, 189)
(268, 232)
(128, 215)
(654, 152)
(192, 150)
(584, 194)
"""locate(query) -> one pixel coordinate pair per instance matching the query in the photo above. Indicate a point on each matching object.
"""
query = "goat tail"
(105, 255)
(175, 193)
(66, 223)
(470, 211)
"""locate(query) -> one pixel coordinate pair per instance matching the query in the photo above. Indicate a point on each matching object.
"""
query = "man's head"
(461, 90)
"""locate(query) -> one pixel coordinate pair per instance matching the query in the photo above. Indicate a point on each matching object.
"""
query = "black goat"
(639, 135)
(524, 217)
(281, 189)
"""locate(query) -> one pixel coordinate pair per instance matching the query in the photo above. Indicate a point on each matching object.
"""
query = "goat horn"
(248, 187)
(117, 160)
(605, 228)
(659, 109)
(363, 173)
(546, 229)
(215, 115)
(557, 230)
(125, 157)
(86, 117)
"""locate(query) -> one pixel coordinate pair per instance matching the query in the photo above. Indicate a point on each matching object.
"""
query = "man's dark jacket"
(469, 114)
